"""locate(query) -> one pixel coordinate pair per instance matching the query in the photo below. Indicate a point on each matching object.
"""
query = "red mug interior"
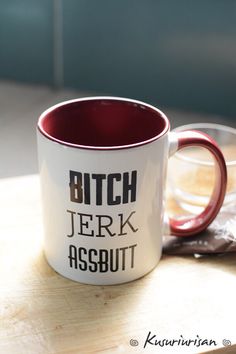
(103, 123)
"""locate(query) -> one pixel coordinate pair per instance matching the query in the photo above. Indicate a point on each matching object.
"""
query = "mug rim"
(50, 137)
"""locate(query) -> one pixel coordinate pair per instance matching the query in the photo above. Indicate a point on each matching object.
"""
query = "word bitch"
(103, 185)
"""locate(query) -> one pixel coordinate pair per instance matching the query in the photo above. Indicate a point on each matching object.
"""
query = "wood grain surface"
(42, 312)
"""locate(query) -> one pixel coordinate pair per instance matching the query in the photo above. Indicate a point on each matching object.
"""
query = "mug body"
(102, 205)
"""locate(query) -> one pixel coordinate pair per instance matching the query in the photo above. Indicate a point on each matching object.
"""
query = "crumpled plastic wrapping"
(218, 238)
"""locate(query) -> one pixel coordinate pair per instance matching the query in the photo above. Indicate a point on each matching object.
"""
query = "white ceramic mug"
(103, 164)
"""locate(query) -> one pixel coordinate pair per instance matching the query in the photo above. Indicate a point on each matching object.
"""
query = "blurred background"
(178, 55)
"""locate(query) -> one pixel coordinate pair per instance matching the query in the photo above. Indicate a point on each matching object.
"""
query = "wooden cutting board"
(42, 312)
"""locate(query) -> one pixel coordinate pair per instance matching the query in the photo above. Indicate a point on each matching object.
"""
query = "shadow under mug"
(103, 163)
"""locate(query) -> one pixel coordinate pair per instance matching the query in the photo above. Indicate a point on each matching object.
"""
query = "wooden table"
(42, 312)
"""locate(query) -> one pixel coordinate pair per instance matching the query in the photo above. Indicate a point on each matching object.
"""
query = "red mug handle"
(196, 224)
